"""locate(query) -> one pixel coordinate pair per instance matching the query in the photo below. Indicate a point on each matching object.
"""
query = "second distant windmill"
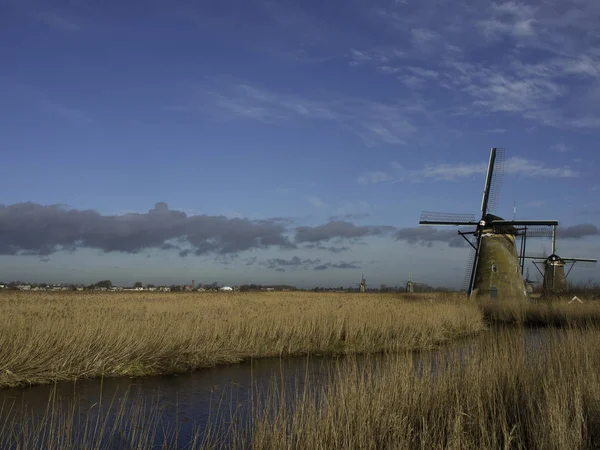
(555, 278)
(410, 285)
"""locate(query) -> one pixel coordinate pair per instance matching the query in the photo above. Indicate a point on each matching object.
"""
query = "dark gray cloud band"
(35, 229)
(428, 236)
(578, 231)
(339, 229)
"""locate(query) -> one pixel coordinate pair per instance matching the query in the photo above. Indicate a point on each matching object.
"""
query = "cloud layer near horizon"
(34, 229)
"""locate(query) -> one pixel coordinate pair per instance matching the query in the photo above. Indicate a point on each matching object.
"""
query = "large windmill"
(555, 278)
(496, 266)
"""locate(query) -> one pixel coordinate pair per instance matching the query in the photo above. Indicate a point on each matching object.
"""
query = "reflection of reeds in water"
(127, 421)
(46, 337)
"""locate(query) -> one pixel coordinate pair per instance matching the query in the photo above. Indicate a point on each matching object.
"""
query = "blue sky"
(288, 142)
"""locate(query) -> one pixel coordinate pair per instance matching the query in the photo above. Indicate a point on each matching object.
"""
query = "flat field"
(54, 336)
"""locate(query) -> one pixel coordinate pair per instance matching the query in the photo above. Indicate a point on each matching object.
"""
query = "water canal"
(207, 399)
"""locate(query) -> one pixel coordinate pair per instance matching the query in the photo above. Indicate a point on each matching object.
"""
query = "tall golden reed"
(511, 391)
(46, 337)
(506, 389)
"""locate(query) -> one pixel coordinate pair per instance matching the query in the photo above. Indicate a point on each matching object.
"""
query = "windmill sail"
(439, 218)
(493, 181)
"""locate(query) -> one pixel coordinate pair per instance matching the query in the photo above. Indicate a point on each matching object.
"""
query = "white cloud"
(425, 73)
(501, 93)
(412, 81)
(512, 166)
(57, 21)
(524, 167)
(315, 201)
(374, 178)
(532, 78)
(352, 208)
(454, 172)
(450, 172)
(560, 147)
(421, 36)
(509, 18)
(375, 122)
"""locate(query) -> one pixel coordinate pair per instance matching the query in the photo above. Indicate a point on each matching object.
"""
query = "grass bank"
(47, 337)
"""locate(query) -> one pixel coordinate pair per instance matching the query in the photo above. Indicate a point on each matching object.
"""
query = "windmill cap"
(554, 257)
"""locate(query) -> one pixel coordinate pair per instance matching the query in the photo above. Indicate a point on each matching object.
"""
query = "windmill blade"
(582, 262)
(439, 218)
(495, 181)
(539, 258)
(532, 228)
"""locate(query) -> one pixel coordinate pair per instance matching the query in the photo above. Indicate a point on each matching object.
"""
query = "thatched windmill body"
(496, 267)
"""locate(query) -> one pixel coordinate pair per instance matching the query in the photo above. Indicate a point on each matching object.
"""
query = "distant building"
(226, 288)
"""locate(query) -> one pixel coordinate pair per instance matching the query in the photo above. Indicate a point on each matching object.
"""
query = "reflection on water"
(194, 400)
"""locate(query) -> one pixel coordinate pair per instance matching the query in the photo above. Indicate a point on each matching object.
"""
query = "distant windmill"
(362, 286)
(409, 286)
(496, 266)
(555, 279)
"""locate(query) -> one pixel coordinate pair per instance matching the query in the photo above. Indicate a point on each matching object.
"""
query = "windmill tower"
(409, 286)
(496, 267)
(555, 279)
(363, 284)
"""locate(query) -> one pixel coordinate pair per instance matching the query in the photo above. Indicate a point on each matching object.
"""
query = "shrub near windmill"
(496, 269)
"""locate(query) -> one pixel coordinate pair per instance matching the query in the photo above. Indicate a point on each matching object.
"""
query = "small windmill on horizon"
(409, 285)
(553, 269)
(362, 286)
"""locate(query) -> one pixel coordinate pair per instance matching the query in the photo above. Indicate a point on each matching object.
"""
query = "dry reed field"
(556, 311)
(46, 337)
(507, 392)
(507, 389)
